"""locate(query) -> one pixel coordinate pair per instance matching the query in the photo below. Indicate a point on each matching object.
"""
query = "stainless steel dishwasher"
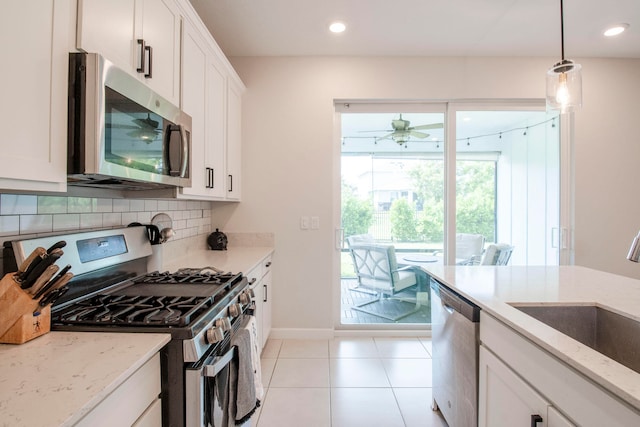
(455, 329)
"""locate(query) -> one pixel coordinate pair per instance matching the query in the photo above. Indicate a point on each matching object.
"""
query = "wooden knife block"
(18, 324)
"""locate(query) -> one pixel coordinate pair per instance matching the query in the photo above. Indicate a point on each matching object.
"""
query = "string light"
(524, 129)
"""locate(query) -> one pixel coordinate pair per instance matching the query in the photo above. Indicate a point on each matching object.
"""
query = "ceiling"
(421, 27)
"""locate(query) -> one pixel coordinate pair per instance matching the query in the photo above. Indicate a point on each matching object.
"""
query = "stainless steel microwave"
(121, 134)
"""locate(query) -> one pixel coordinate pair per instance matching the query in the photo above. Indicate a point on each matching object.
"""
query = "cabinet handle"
(265, 293)
(230, 183)
(535, 419)
(268, 264)
(212, 174)
(150, 50)
(209, 173)
(140, 69)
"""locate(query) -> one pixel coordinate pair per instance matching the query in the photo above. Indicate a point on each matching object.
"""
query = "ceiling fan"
(402, 132)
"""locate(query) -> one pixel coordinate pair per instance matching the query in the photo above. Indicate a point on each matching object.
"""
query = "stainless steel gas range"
(113, 291)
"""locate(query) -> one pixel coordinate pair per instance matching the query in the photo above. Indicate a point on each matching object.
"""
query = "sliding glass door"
(426, 184)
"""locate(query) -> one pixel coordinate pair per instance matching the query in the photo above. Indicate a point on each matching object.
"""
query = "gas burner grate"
(189, 276)
(109, 309)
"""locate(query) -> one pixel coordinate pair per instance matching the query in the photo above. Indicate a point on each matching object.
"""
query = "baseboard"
(301, 334)
(327, 334)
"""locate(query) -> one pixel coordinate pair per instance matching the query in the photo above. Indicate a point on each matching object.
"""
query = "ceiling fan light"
(564, 87)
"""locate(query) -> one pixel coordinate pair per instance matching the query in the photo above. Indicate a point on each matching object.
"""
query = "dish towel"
(242, 389)
(252, 326)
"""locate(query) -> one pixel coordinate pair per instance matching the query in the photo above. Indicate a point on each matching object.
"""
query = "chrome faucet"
(634, 250)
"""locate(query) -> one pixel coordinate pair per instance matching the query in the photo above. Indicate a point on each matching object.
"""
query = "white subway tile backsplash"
(36, 224)
(66, 222)
(91, 220)
(22, 215)
(102, 205)
(121, 205)
(129, 217)
(111, 219)
(137, 205)
(9, 225)
(52, 204)
(144, 217)
(150, 205)
(18, 204)
(78, 205)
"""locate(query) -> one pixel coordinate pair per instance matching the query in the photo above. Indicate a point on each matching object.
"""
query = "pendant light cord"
(562, 29)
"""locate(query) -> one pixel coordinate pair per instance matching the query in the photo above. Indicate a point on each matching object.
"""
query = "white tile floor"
(347, 382)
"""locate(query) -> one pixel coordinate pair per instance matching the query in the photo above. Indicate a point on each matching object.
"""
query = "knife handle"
(31, 262)
(33, 276)
(57, 285)
(43, 279)
(58, 245)
(52, 282)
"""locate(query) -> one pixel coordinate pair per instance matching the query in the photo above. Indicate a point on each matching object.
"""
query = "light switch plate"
(304, 222)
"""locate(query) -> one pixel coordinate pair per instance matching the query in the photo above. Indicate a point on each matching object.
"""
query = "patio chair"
(377, 270)
(497, 254)
(469, 248)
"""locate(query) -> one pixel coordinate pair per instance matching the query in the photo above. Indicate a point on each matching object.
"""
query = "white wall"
(290, 157)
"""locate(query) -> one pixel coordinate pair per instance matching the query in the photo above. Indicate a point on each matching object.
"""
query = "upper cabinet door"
(161, 32)
(234, 142)
(141, 36)
(33, 83)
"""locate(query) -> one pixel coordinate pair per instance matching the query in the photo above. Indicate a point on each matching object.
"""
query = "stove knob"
(223, 323)
(244, 298)
(214, 335)
(251, 293)
(235, 310)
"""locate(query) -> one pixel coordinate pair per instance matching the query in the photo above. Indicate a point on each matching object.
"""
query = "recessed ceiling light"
(615, 30)
(337, 27)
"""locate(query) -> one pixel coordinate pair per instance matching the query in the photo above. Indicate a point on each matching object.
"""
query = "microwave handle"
(184, 151)
(184, 138)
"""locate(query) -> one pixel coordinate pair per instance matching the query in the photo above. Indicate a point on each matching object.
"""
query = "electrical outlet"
(315, 222)
(304, 223)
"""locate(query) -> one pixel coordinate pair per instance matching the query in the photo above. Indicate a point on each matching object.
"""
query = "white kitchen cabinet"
(507, 400)
(519, 377)
(141, 36)
(33, 83)
(234, 142)
(211, 95)
(203, 98)
(262, 288)
(134, 402)
(267, 298)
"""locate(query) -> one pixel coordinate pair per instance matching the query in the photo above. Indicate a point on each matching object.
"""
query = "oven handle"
(219, 363)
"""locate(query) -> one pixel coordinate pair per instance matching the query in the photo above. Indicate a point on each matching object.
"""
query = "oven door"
(206, 394)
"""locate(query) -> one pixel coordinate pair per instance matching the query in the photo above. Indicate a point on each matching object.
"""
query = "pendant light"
(564, 80)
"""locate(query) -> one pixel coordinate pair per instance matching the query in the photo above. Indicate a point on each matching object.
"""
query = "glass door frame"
(449, 109)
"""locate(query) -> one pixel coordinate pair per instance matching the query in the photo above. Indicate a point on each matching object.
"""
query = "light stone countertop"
(57, 378)
(64, 375)
(235, 259)
(492, 288)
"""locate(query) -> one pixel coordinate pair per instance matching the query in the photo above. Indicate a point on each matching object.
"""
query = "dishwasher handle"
(456, 302)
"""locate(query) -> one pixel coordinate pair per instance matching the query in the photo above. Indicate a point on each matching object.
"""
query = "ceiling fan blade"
(431, 126)
(387, 136)
(421, 135)
(118, 126)
(380, 130)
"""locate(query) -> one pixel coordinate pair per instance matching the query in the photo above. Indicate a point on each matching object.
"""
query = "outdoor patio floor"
(351, 297)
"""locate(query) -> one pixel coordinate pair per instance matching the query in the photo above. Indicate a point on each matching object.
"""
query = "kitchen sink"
(609, 333)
